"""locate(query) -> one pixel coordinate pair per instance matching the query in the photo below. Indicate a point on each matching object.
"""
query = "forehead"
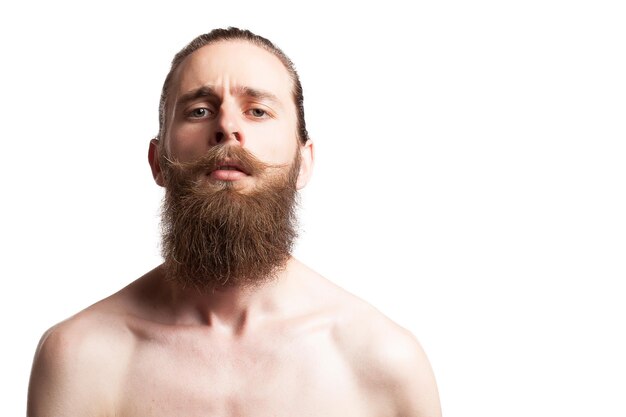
(230, 64)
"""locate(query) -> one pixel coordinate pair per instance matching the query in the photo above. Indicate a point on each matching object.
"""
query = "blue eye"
(258, 112)
(199, 113)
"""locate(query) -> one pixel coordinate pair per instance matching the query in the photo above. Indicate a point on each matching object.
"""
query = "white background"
(470, 178)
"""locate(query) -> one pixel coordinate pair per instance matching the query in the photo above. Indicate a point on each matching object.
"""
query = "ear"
(306, 164)
(153, 159)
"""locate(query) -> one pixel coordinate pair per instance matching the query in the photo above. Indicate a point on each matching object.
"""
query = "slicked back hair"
(233, 33)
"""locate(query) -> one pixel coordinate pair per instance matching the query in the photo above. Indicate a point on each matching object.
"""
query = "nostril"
(219, 136)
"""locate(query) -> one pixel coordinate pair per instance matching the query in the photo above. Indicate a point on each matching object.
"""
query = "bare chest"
(276, 375)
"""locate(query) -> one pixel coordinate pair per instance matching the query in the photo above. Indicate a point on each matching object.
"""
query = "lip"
(228, 171)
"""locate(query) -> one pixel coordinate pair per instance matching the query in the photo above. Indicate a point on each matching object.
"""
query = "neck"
(233, 309)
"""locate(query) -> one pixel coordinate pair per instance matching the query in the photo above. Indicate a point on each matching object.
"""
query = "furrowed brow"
(257, 94)
(201, 92)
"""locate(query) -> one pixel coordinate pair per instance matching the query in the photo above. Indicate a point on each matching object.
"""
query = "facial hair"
(216, 236)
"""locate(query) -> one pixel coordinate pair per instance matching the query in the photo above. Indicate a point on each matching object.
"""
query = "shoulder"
(388, 361)
(77, 363)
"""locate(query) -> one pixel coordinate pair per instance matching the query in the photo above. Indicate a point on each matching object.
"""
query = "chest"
(276, 375)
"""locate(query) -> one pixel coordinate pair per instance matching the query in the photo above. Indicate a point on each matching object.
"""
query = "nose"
(228, 128)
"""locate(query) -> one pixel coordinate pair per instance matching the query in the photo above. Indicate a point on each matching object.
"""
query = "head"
(232, 151)
(234, 34)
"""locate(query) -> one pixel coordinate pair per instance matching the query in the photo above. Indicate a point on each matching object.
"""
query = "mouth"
(228, 171)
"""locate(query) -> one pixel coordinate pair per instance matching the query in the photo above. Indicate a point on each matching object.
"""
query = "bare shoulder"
(79, 361)
(386, 359)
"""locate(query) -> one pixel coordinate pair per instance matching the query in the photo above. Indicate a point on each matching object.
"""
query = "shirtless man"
(230, 324)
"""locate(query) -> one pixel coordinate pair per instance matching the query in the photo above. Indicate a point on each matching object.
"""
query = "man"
(230, 324)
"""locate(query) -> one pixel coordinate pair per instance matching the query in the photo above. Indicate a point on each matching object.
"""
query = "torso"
(279, 372)
(281, 366)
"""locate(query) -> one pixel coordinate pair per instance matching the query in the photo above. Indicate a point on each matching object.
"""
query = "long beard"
(216, 236)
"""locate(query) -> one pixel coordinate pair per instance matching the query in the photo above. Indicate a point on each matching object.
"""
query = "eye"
(257, 113)
(199, 113)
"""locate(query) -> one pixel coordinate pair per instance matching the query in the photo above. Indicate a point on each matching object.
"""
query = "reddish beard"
(216, 236)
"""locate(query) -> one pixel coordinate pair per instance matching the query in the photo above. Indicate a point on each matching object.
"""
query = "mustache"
(217, 156)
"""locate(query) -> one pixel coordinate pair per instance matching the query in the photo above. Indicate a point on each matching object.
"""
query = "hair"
(233, 33)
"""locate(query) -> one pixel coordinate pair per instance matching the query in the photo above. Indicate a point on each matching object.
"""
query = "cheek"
(188, 142)
(279, 152)
(273, 144)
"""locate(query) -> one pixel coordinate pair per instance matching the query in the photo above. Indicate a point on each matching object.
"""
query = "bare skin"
(294, 346)
(297, 346)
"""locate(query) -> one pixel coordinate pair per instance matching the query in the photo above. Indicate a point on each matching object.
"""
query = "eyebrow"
(256, 93)
(204, 91)
(241, 91)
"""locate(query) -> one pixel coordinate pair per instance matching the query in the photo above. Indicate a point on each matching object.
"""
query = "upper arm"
(412, 382)
(66, 379)
(394, 369)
